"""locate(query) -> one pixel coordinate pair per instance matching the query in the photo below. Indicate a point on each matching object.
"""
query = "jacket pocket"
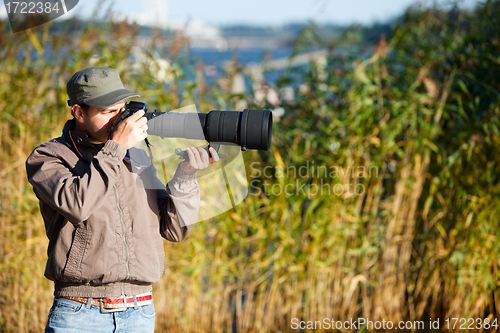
(73, 269)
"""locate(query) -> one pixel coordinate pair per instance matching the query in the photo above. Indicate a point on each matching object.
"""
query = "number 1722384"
(25, 7)
(471, 323)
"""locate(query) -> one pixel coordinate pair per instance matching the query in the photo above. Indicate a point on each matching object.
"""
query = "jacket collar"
(79, 141)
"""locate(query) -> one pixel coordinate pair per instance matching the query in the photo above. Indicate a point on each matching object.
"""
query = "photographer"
(103, 223)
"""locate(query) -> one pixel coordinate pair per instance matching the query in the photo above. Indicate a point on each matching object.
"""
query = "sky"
(252, 12)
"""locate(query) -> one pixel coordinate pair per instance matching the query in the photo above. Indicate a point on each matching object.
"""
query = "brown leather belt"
(117, 304)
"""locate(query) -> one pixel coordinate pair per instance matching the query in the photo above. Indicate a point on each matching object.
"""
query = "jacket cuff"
(114, 149)
(183, 176)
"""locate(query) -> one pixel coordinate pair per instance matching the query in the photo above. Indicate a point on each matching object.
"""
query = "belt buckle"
(103, 310)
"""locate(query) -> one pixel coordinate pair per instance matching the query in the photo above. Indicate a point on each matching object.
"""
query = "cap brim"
(111, 98)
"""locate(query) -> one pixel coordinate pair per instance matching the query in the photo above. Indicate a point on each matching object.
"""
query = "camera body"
(131, 108)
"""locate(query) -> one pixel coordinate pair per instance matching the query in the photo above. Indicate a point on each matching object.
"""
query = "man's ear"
(77, 112)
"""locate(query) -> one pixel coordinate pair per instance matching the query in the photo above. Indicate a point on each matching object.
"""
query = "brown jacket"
(104, 215)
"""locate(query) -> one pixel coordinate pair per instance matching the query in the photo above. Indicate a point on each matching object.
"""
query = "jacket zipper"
(123, 233)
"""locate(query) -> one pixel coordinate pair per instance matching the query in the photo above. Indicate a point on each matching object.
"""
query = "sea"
(244, 56)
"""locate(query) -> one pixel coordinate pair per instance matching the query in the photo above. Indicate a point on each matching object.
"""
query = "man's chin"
(104, 138)
(98, 140)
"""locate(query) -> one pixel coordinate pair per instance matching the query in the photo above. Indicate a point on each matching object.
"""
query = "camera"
(249, 129)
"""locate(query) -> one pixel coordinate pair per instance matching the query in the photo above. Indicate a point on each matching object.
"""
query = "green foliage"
(425, 103)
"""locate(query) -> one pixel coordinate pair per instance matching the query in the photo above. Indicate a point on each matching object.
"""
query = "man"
(103, 218)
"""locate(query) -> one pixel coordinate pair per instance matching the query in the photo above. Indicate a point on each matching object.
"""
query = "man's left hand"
(198, 159)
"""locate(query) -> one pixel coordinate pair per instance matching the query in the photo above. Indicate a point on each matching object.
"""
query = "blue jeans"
(71, 317)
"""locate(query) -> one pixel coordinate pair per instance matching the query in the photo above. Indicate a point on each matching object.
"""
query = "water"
(244, 56)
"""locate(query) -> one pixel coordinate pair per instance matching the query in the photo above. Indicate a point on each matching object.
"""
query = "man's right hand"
(132, 130)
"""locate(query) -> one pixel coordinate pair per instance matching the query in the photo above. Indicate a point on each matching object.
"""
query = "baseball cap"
(97, 86)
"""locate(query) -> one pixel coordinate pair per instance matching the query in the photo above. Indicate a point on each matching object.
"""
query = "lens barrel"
(250, 129)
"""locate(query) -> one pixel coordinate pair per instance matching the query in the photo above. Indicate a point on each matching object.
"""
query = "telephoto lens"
(250, 129)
